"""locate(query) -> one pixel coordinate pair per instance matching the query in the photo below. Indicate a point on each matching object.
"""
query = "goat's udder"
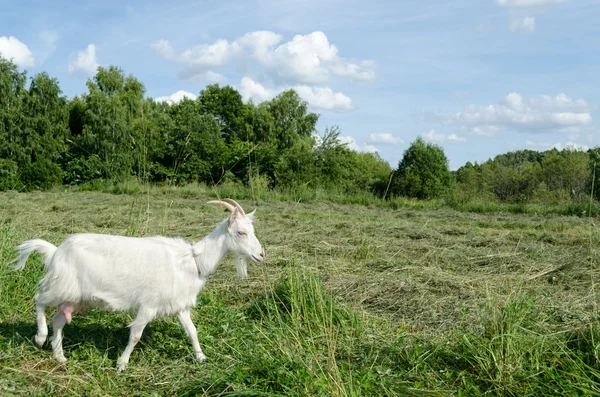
(68, 308)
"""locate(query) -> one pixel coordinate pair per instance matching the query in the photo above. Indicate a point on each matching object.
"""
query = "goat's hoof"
(200, 358)
(39, 341)
(121, 367)
(61, 359)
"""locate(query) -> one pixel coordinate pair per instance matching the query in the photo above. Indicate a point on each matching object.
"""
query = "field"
(351, 300)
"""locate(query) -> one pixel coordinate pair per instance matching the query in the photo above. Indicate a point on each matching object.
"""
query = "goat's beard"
(241, 265)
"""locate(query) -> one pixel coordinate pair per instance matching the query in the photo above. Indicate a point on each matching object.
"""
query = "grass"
(354, 299)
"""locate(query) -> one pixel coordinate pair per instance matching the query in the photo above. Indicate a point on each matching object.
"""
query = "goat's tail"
(26, 248)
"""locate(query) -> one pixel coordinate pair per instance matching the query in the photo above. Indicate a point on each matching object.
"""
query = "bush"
(423, 171)
(8, 174)
(42, 174)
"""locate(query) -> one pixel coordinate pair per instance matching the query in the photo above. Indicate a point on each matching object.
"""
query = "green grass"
(355, 298)
(305, 194)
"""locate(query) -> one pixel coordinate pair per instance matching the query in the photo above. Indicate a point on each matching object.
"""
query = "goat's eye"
(242, 234)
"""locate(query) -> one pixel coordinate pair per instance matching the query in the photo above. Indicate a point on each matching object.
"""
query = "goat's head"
(241, 236)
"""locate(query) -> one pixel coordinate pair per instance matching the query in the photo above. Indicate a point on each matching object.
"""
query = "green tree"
(33, 129)
(44, 133)
(567, 173)
(594, 164)
(194, 144)
(332, 159)
(291, 119)
(423, 171)
(12, 97)
(226, 106)
(108, 144)
(296, 165)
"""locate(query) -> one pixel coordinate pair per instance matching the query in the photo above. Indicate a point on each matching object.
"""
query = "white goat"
(155, 276)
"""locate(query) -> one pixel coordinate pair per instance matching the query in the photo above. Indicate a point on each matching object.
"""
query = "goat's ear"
(251, 215)
(234, 216)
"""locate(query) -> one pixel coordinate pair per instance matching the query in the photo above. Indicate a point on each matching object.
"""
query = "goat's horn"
(231, 201)
(224, 204)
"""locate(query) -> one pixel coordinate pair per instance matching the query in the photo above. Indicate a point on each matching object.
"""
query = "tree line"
(523, 176)
(113, 132)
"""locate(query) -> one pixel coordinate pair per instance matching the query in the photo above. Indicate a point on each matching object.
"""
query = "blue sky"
(478, 77)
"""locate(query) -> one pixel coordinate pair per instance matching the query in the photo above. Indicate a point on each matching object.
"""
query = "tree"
(594, 159)
(296, 165)
(12, 97)
(193, 144)
(226, 106)
(291, 118)
(106, 142)
(44, 134)
(33, 129)
(423, 171)
(567, 173)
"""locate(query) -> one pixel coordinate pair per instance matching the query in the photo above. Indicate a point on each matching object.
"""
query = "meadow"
(353, 299)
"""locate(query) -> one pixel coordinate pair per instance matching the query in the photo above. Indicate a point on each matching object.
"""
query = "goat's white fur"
(155, 276)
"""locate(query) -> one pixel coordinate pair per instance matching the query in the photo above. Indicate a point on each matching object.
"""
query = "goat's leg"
(137, 327)
(42, 333)
(190, 330)
(58, 323)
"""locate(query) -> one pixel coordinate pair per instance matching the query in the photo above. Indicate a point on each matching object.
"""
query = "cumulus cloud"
(249, 89)
(353, 145)
(13, 49)
(432, 136)
(319, 97)
(306, 59)
(176, 97)
(164, 49)
(324, 97)
(527, 3)
(525, 24)
(539, 114)
(386, 138)
(84, 63)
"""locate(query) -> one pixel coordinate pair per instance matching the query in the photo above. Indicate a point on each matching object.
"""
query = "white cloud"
(213, 77)
(249, 89)
(527, 3)
(363, 72)
(212, 55)
(386, 138)
(369, 149)
(176, 97)
(324, 97)
(13, 49)
(453, 138)
(540, 114)
(259, 43)
(319, 97)
(306, 59)
(164, 49)
(432, 136)
(353, 145)
(85, 63)
(525, 24)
